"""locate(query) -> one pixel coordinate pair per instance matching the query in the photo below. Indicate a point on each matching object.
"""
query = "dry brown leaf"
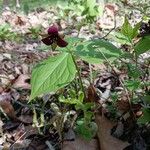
(19, 21)
(21, 82)
(108, 142)
(81, 144)
(26, 119)
(91, 94)
(8, 108)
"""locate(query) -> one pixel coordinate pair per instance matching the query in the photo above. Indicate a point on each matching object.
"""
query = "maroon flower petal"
(61, 42)
(48, 40)
(53, 30)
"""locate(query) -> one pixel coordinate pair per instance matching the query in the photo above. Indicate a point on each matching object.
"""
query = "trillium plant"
(58, 71)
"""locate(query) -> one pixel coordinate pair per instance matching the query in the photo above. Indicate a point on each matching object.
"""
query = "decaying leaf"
(81, 144)
(22, 82)
(108, 142)
(91, 94)
(8, 108)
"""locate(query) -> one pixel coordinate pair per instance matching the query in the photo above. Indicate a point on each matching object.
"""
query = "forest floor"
(33, 125)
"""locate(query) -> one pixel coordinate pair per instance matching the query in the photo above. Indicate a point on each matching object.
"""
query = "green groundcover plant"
(60, 70)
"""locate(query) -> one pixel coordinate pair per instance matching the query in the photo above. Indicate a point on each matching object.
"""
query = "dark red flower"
(54, 37)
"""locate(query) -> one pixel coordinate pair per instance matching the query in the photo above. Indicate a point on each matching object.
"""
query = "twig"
(49, 145)
(17, 140)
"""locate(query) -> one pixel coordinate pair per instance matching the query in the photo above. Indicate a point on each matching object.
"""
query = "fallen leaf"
(8, 109)
(21, 82)
(19, 21)
(107, 141)
(26, 119)
(91, 94)
(81, 144)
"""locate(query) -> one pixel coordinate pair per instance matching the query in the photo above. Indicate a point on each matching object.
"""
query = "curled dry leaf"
(22, 82)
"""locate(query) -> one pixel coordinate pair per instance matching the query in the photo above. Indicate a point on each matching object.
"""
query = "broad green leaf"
(97, 51)
(127, 29)
(52, 74)
(145, 118)
(143, 45)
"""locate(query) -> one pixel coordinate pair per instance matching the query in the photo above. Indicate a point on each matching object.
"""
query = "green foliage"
(133, 71)
(145, 118)
(87, 8)
(97, 51)
(146, 99)
(121, 38)
(34, 31)
(56, 72)
(132, 85)
(143, 45)
(128, 31)
(52, 74)
(7, 34)
(26, 8)
(85, 127)
(86, 131)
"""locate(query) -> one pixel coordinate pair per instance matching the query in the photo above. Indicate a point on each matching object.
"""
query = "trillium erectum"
(54, 37)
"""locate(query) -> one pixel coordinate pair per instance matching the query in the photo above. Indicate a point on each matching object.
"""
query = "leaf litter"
(17, 60)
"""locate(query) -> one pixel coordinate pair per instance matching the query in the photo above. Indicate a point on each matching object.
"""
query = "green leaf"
(143, 45)
(145, 117)
(132, 84)
(120, 38)
(87, 131)
(134, 71)
(81, 96)
(135, 29)
(146, 99)
(91, 7)
(70, 101)
(127, 29)
(52, 74)
(97, 51)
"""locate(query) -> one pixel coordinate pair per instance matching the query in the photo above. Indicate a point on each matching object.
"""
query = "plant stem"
(121, 82)
(78, 72)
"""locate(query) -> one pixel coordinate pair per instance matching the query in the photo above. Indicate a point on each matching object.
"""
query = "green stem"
(134, 53)
(78, 72)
